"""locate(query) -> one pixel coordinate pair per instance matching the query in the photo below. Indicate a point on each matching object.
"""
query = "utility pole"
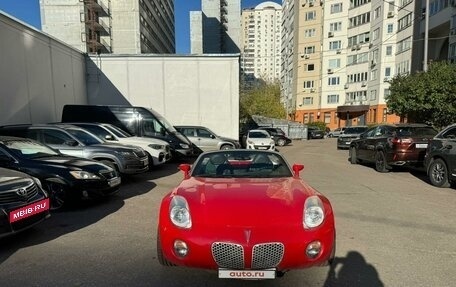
(426, 37)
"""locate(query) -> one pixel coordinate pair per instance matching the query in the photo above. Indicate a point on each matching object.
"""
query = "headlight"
(84, 175)
(179, 212)
(184, 145)
(38, 182)
(156, 146)
(314, 213)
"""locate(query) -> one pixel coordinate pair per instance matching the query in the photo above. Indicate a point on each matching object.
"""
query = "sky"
(28, 11)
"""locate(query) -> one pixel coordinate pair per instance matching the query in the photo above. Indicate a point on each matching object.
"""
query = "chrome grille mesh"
(9, 196)
(267, 255)
(228, 255)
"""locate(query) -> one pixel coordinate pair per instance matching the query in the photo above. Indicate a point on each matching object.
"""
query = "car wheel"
(281, 142)
(57, 195)
(380, 161)
(353, 159)
(226, 146)
(438, 173)
(161, 258)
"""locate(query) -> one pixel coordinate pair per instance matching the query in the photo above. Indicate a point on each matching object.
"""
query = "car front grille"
(19, 194)
(262, 147)
(265, 255)
(108, 174)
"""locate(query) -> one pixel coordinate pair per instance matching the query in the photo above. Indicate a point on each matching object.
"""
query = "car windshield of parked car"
(116, 131)
(355, 130)
(29, 149)
(163, 121)
(85, 137)
(416, 131)
(259, 135)
(241, 164)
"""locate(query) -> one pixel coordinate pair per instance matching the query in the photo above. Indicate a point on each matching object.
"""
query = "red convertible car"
(247, 214)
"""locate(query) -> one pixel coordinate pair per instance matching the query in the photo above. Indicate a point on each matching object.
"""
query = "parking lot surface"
(393, 229)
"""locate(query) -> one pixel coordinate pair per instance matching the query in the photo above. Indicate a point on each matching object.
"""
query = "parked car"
(260, 139)
(158, 151)
(440, 159)
(207, 140)
(336, 132)
(251, 214)
(392, 145)
(278, 134)
(75, 141)
(350, 133)
(23, 202)
(65, 178)
(315, 133)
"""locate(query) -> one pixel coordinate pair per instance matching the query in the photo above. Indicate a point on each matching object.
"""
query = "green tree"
(262, 99)
(426, 97)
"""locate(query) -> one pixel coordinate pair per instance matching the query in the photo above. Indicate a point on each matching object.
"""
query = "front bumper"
(134, 166)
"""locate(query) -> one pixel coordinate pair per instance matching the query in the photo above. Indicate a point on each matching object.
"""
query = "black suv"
(392, 145)
(63, 177)
(278, 134)
(440, 160)
(23, 202)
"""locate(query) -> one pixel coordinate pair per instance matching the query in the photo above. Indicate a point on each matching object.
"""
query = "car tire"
(226, 146)
(380, 162)
(57, 195)
(353, 159)
(438, 173)
(161, 258)
(281, 142)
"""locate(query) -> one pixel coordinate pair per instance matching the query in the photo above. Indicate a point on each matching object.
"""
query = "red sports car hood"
(245, 202)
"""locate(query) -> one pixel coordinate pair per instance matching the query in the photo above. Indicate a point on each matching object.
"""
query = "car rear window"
(416, 131)
(355, 130)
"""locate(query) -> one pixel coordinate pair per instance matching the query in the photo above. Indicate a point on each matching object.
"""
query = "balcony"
(98, 6)
(96, 44)
(99, 26)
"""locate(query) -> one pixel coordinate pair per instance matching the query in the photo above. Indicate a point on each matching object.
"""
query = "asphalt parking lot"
(393, 229)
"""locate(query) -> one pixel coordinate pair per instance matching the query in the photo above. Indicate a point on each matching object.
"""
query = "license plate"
(247, 274)
(347, 142)
(421, 145)
(114, 181)
(29, 210)
(262, 147)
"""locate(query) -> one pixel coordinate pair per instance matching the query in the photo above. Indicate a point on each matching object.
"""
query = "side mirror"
(212, 136)
(109, 138)
(186, 169)
(297, 168)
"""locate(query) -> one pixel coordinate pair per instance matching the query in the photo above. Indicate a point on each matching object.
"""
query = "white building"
(261, 41)
(104, 26)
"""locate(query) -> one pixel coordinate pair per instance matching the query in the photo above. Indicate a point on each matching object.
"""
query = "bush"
(319, 125)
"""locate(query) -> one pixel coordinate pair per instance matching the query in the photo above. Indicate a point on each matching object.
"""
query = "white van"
(158, 150)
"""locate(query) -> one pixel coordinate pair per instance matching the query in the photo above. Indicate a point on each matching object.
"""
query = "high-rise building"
(220, 25)
(104, 26)
(261, 41)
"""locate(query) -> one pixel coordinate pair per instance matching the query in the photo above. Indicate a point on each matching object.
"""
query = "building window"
(306, 118)
(385, 115)
(404, 22)
(308, 84)
(336, 8)
(307, 101)
(311, 118)
(389, 28)
(374, 75)
(373, 95)
(404, 45)
(309, 50)
(336, 26)
(333, 99)
(389, 50)
(334, 45)
(327, 118)
(311, 15)
(387, 72)
(376, 34)
(309, 33)
(309, 67)
(333, 81)
(377, 12)
(334, 63)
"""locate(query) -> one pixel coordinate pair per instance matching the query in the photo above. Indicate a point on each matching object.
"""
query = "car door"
(207, 140)
(61, 141)
(364, 144)
(449, 149)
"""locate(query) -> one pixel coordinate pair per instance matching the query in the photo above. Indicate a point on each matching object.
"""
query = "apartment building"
(104, 26)
(219, 22)
(261, 41)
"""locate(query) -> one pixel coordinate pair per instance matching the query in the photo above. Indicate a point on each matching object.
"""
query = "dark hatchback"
(278, 134)
(392, 145)
(315, 133)
(350, 133)
(65, 178)
(440, 160)
(23, 202)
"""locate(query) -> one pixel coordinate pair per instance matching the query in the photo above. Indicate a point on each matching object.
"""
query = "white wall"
(38, 75)
(193, 90)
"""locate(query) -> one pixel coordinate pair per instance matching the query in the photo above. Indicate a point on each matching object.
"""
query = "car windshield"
(163, 121)
(259, 135)
(85, 137)
(29, 149)
(355, 130)
(241, 164)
